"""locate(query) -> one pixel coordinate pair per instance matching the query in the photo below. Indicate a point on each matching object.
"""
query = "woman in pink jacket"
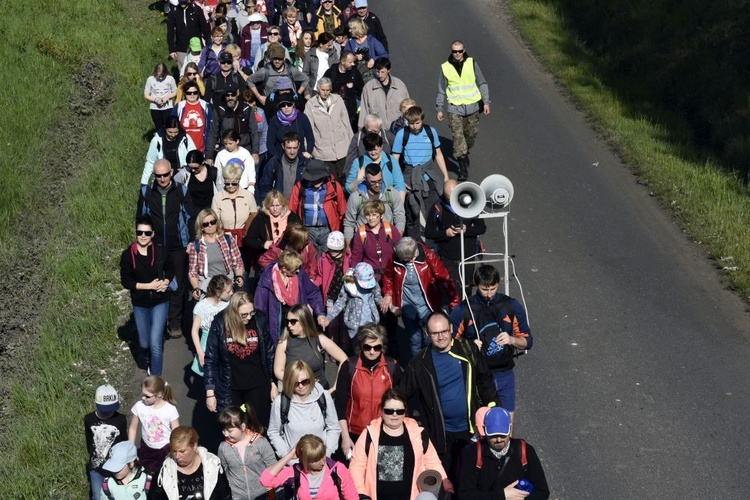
(316, 476)
(392, 452)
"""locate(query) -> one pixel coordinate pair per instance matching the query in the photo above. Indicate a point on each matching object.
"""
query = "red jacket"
(433, 276)
(309, 258)
(366, 390)
(334, 204)
(326, 268)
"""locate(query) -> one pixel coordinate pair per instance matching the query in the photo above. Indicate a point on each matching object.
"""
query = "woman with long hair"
(160, 92)
(220, 289)
(146, 270)
(302, 340)
(304, 412)
(191, 74)
(209, 62)
(212, 253)
(267, 227)
(239, 359)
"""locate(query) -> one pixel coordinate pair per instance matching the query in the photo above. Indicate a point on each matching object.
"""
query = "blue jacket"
(217, 368)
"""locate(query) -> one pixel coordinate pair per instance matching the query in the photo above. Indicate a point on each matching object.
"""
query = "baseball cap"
(365, 275)
(497, 422)
(226, 57)
(121, 455)
(106, 399)
(360, 3)
(335, 240)
(195, 44)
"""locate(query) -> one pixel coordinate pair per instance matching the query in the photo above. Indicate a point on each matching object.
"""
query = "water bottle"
(525, 485)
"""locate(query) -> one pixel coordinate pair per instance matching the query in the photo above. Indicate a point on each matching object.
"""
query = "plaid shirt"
(230, 253)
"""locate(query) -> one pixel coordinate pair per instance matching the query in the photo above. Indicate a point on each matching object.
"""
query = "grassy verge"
(711, 204)
(73, 149)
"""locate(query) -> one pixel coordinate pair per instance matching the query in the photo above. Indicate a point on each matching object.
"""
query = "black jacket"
(135, 268)
(348, 86)
(217, 369)
(440, 218)
(488, 482)
(420, 380)
(259, 232)
(172, 228)
(179, 32)
(241, 120)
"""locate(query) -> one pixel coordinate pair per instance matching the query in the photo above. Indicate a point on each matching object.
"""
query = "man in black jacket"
(372, 21)
(441, 376)
(171, 210)
(494, 466)
(233, 115)
(183, 23)
(444, 227)
(224, 81)
(346, 81)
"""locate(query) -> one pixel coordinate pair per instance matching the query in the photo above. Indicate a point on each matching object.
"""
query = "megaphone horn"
(468, 200)
(497, 189)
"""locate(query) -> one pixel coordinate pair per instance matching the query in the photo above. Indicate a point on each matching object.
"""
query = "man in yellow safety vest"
(463, 86)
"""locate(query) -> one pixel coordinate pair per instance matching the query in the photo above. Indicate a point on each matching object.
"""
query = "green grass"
(712, 205)
(86, 214)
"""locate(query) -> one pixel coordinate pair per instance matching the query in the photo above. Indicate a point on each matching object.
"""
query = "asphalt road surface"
(637, 386)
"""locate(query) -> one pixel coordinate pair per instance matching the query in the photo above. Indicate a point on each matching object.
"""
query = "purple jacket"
(266, 301)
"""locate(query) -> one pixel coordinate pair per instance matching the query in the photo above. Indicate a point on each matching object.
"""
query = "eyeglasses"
(304, 383)
(458, 51)
(292, 321)
(230, 184)
(438, 334)
(394, 411)
(207, 223)
(144, 233)
(226, 62)
(285, 105)
(247, 315)
(191, 92)
(192, 73)
(230, 94)
(273, 33)
(376, 348)
(162, 176)
(147, 396)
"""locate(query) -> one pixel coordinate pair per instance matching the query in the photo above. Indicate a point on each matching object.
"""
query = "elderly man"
(171, 208)
(463, 86)
(496, 464)
(452, 382)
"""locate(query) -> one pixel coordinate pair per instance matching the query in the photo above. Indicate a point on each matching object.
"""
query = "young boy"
(104, 428)
(499, 323)
(417, 149)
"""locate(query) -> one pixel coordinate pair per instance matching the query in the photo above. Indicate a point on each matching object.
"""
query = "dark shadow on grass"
(149, 134)
(128, 332)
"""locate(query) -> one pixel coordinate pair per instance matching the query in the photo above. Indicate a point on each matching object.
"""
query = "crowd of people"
(294, 216)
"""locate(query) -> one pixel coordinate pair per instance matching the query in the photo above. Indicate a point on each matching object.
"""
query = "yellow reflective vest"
(461, 89)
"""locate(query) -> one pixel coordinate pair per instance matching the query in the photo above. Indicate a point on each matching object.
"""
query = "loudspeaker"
(498, 190)
(468, 200)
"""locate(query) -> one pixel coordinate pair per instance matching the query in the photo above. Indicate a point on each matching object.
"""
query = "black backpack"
(286, 402)
(489, 324)
(405, 139)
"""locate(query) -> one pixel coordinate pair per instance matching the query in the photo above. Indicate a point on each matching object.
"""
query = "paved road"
(638, 383)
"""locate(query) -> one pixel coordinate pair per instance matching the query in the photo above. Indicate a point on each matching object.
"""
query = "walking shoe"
(463, 170)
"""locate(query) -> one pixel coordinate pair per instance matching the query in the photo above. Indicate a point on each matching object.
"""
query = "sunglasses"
(192, 73)
(376, 348)
(226, 62)
(144, 233)
(148, 396)
(162, 176)
(273, 33)
(394, 411)
(304, 383)
(285, 105)
(230, 184)
(191, 92)
(207, 223)
(457, 51)
(292, 321)
(247, 315)
(231, 94)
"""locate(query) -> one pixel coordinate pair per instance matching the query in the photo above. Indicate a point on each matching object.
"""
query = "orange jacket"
(364, 467)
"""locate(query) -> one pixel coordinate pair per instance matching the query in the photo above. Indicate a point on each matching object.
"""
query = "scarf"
(287, 120)
(295, 31)
(326, 104)
(286, 294)
(278, 225)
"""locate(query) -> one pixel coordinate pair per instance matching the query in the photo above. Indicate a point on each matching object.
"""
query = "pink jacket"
(327, 490)
(326, 269)
(364, 467)
(308, 254)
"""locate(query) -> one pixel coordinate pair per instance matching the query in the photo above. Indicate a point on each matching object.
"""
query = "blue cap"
(497, 422)
(122, 454)
(365, 275)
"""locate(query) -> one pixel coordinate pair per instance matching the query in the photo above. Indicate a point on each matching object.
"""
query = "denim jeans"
(417, 338)
(150, 322)
(96, 484)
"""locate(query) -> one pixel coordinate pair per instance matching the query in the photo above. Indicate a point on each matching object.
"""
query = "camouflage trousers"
(464, 130)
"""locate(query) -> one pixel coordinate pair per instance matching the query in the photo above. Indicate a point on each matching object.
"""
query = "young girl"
(158, 415)
(359, 296)
(302, 48)
(234, 153)
(245, 453)
(218, 293)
